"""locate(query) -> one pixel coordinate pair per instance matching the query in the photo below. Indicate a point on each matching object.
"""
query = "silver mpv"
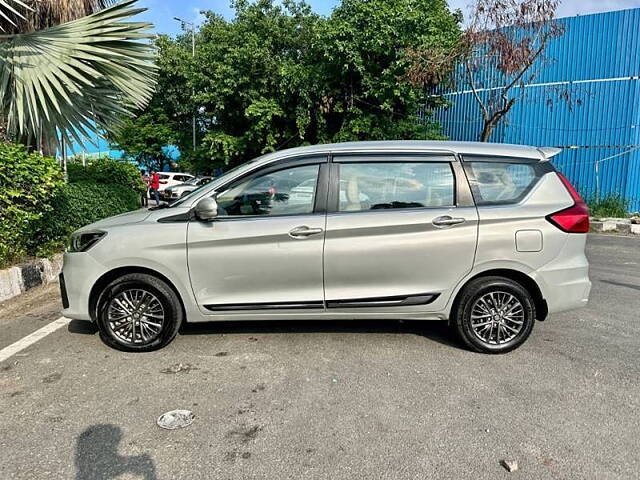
(489, 237)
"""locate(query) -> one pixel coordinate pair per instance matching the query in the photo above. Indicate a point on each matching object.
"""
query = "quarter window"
(290, 191)
(385, 185)
(501, 182)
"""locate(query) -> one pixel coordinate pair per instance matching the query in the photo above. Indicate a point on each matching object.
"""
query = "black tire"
(475, 290)
(171, 308)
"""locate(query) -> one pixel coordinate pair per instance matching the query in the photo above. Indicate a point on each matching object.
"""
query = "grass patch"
(611, 206)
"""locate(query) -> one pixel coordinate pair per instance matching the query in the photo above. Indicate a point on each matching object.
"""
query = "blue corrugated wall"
(600, 55)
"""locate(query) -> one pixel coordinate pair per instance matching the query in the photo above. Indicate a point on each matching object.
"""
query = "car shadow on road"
(438, 331)
(97, 456)
(82, 327)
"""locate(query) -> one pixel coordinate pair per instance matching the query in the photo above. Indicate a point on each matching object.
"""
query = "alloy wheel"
(135, 316)
(497, 317)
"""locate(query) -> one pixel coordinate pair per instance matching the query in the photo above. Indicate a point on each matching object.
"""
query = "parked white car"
(169, 179)
(178, 191)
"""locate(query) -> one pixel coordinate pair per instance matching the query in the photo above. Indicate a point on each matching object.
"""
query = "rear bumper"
(566, 291)
(564, 282)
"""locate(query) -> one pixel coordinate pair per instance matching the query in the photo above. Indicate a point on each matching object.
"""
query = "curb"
(17, 280)
(618, 225)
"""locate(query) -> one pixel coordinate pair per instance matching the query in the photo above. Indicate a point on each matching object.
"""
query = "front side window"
(382, 185)
(290, 191)
(497, 183)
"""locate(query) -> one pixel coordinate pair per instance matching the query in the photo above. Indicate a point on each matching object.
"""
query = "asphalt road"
(337, 400)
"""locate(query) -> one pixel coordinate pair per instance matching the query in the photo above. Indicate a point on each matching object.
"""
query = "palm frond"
(78, 78)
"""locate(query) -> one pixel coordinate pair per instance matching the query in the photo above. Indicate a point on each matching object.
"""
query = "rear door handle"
(304, 232)
(447, 221)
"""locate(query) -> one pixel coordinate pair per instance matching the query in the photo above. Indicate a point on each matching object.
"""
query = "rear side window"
(500, 183)
(382, 185)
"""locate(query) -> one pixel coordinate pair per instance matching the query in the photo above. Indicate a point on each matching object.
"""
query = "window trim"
(320, 199)
(540, 169)
(333, 201)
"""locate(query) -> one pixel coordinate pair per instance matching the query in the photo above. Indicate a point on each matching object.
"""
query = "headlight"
(81, 242)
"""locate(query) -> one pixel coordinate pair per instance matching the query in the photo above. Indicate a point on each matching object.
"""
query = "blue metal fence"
(597, 61)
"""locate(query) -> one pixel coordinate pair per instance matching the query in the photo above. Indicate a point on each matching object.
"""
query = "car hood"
(122, 219)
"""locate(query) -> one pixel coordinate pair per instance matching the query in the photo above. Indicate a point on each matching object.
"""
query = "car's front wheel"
(138, 313)
(494, 315)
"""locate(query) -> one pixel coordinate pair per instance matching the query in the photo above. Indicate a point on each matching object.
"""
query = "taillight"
(574, 219)
(163, 182)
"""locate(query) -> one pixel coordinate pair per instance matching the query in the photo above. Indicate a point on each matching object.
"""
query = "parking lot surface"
(338, 400)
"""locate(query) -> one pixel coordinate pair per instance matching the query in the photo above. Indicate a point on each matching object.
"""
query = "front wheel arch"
(110, 276)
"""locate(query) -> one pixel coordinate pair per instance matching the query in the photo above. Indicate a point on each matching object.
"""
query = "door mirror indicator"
(206, 209)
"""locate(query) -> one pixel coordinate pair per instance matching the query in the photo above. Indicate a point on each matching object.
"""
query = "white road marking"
(32, 338)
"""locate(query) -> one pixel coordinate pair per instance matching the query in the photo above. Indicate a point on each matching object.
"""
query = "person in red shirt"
(154, 184)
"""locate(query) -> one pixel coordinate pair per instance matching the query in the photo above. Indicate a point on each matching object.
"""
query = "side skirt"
(394, 301)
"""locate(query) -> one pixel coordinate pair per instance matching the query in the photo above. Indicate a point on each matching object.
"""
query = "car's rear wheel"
(494, 315)
(138, 313)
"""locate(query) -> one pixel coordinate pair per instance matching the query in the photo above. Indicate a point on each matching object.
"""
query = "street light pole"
(193, 54)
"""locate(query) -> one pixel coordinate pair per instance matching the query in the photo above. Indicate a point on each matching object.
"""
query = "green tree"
(145, 138)
(278, 75)
(362, 46)
(256, 79)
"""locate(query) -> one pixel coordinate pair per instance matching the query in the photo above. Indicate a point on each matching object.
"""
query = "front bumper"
(80, 272)
(169, 195)
(63, 291)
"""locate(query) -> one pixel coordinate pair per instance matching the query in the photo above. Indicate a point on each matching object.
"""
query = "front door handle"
(447, 221)
(304, 232)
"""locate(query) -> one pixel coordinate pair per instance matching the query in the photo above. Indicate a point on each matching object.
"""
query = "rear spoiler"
(549, 152)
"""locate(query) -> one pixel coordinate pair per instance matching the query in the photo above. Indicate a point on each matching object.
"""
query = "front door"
(399, 232)
(264, 250)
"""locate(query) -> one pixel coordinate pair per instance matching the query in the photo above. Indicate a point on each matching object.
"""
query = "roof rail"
(549, 152)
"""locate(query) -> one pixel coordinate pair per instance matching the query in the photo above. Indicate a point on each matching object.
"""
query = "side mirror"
(206, 209)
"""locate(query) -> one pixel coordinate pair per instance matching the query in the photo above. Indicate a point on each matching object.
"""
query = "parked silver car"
(489, 237)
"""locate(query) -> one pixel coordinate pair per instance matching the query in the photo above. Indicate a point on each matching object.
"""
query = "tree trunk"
(487, 130)
(491, 123)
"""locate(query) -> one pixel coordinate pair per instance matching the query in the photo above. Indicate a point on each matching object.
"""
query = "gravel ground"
(339, 400)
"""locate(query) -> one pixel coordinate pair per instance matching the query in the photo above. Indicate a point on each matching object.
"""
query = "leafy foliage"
(38, 211)
(611, 206)
(76, 78)
(78, 204)
(279, 75)
(364, 44)
(27, 182)
(106, 171)
(145, 137)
